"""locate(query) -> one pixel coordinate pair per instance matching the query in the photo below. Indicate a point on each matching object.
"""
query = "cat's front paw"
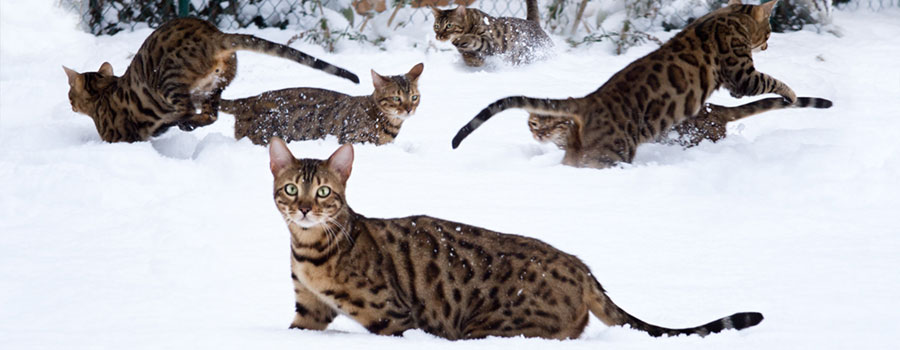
(736, 94)
(789, 95)
(305, 323)
(464, 43)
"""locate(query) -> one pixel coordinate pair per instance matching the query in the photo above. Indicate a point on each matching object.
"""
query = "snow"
(175, 243)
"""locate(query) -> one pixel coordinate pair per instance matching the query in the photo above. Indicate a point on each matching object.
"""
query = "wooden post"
(183, 7)
(400, 4)
(578, 15)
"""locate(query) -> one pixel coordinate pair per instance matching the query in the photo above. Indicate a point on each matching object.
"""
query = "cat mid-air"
(660, 90)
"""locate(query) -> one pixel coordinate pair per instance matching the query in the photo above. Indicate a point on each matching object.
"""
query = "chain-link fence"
(111, 16)
(325, 22)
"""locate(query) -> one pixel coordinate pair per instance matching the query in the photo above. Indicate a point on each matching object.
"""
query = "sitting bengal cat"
(661, 89)
(176, 78)
(709, 124)
(449, 279)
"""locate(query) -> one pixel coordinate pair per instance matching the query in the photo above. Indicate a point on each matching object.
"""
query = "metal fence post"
(183, 8)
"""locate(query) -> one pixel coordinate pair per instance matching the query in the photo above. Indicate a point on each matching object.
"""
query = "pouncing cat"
(449, 279)
(309, 113)
(175, 79)
(477, 35)
(659, 90)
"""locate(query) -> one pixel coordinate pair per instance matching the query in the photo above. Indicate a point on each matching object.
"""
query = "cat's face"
(550, 129)
(84, 88)
(398, 95)
(309, 193)
(449, 24)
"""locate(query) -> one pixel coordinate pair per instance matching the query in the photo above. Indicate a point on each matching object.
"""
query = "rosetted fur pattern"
(709, 124)
(477, 35)
(660, 90)
(176, 78)
(449, 279)
(309, 113)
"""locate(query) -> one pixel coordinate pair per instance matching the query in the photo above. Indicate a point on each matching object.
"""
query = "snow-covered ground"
(175, 243)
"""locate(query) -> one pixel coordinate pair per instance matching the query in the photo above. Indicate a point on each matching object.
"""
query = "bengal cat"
(661, 89)
(309, 113)
(449, 279)
(477, 35)
(709, 124)
(176, 78)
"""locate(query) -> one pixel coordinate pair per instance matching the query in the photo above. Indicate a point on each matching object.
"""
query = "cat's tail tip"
(343, 73)
(738, 321)
(815, 102)
(460, 136)
(742, 320)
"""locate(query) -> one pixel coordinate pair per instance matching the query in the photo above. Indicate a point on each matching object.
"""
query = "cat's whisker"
(343, 229)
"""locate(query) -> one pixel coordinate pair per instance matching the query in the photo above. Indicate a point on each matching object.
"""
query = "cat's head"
(550, 129)
(398, 95)
(84, 88)
(759, 14)
(449, 24)
(309, 193)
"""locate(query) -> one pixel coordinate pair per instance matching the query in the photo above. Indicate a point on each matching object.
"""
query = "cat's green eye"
(323, 191)
(290, 189)
(396, 99)
(415, 97)
(436, 27)
(449, 25)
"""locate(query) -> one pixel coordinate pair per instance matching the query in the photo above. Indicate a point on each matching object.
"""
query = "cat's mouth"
(305, 221)
(403, 116)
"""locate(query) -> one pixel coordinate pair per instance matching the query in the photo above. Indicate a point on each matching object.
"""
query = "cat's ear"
(341, 161)
(460, 10)
(763, 11)
(74, 77)
(435, 11)
(734, 2)
(378, 80)
(415, 72)
(106, 69)
(280, 156)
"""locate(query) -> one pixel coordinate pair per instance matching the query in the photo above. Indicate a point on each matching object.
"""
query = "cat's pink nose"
(305, 210)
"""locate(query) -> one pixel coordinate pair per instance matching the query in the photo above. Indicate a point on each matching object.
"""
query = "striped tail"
(531, 11)
(730, 114)
(252, 43)
(549, 107)
(612, 315)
